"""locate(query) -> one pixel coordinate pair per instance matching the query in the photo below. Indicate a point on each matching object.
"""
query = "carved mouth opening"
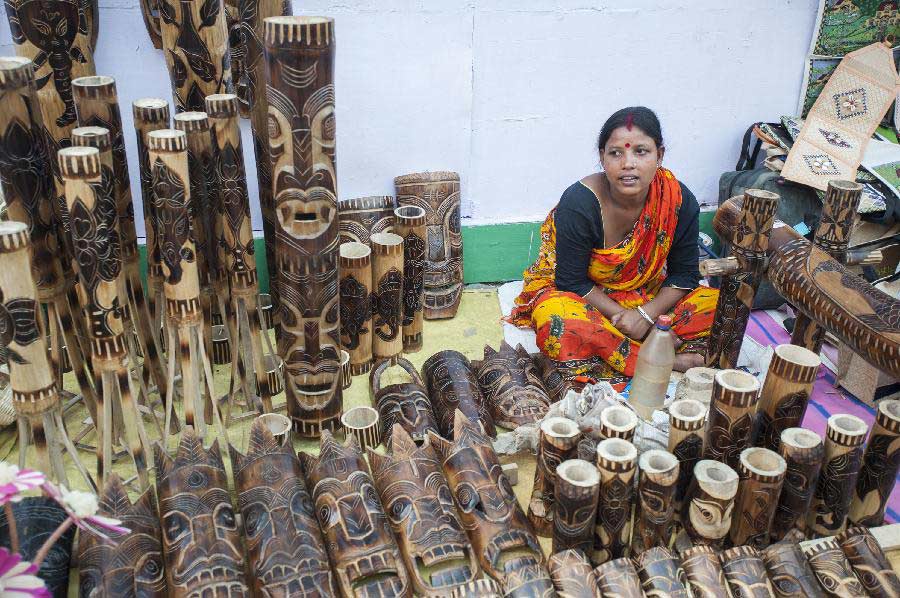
(359, 585)
(451, 569)
(800, 437)
(513, 554)
(305, 217)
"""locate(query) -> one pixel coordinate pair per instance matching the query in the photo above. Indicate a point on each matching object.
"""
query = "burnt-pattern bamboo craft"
(480, 588)
(452, 386)
(661, 574)
(729, 427)
(362, 217)
(709, 503)
(655, 516)
(420, 509)
(832, 569)
(687, 419)
(617, 421)
(356, 305)
(761, 474)
(195, 45)
(554, 384)
(405, 404)
(558, 443)
(704, 572)
(576, 495)
(495, 523)
(512, 387)
(617, 463)
(362, 549)
(619, 578)
(300, 90)
(869, 562)
(387, 295)
(150, 13)
(803, 452)
(785, 393)
(736, 291)
(134, 565)
(745, 573)
(199, 526)
(410, 223)
(572, 575)
(438, 194)
(881, 461)
(844, 438)
(286, 554)
(789, 572)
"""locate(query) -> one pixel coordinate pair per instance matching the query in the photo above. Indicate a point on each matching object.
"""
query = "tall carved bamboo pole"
(387, 295)
(617, 462)
(558, 442)
(576, 494)
(761, 474)
(300, 77)
(654, 519)
(409, 223)
(879, 468)
(709, 503)
(782, 403)
(803, 453)
(729, 427)
(356, 305)
(687, 418)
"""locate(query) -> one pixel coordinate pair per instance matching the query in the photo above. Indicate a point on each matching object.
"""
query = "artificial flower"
(19, 578)
(82, 509)
(15, 481)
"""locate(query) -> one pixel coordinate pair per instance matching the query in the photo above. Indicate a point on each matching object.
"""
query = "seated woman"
(619, 250)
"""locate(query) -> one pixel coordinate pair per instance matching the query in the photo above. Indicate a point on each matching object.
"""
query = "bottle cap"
(664, 322)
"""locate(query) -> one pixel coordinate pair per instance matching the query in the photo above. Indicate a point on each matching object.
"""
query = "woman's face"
(630, 160)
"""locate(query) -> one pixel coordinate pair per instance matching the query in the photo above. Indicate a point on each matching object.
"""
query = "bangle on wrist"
(645, 315)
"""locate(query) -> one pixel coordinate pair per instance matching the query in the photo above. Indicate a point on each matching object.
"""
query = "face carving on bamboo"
(709, 517)
(408, 406)
(133, 568)
(173, 220)
(489, 511)
(286, 556)
(201, 541)
(236, 209)
(452, 386)
(357, 533)
(512, 387)
(420, 508)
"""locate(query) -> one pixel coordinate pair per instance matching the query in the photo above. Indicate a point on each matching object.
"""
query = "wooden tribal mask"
(357, 533)
(419, 505)
(504, 541)
(133, 567)
(405, 403)
(453, 387)
(201, 541)
(512, 386)
(286, 555)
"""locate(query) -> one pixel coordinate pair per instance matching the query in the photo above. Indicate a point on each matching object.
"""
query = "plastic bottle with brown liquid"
(653, 369)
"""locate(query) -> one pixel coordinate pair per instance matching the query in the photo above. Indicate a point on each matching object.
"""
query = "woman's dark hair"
(634, 116)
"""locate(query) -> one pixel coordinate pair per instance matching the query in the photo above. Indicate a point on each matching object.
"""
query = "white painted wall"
(512, 93)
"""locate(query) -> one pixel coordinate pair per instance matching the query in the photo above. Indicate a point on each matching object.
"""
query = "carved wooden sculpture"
(362, 217)
(356, 305)
(729, 428)
(619, 578)
(785, 393)
(576, 495)
(405, 404)
(833, 236)
(438, 194)
(200, 537)
(512, 387)
(132, 567)
(687, 418)
(572, 575)
(704, 572)
(300, 55)
(506, 547)
(419, 506)
(709, 502)
(150, 12)
(746, 573)
(279, 426)
(409, 223)
(617, 462)
(554, 384)
(361, 422)
(761, 474)
(286, 554)
(844, 438)
(790, 573)
(881, 461)
(91, 203)
(869, 562)
(558, 443)
(736, 290)
(617, 421)
(363, 551)
(195, 44)
(832, 569)
(803, 452)
(655, 515)
(661, 574)
(387, 295)
(452, 386)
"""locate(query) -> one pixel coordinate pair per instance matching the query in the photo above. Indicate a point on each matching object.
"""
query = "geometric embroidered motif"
(834, 138)
(850, 103)
(820, 164)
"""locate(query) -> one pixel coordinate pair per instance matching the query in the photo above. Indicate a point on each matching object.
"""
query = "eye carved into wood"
(512, 387)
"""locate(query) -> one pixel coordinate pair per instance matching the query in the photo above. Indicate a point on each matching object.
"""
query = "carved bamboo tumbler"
(687, 418)
(572, 575)
(387, 295)
(881, 461)
(745, 573)
(362, 423)
(409, 223)
(356, 305)
(661, 573)
(790, 573)
(708, 504)
(576, 494)
(869, 562)
(803, 452)
(619, 578)
(785, 393)
(617, 421)
(844, 438)
(304, 186)
(346, 376)
(729, 426)
(704, 572)
(654, 519)
(558, 443)
(761, 474)
(221, 348)
(832, 568)
(616, 461)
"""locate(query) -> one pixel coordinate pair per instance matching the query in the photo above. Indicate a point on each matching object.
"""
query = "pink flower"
(15, 481)
(82, 509)
(18, 578)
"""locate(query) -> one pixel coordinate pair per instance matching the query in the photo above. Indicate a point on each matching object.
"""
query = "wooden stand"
(708, 503)
(558, 442)
(729, 428)
(655, 515)
(356, 305)
(761, 474)
(782, 403)
(362, 217)
(387, 295)
(803, 452)
(845, 435)
(617, 462)
(575, 495)
(881, 461)
(409, 223)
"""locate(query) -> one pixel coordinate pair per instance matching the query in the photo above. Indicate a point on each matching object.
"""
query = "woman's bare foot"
(686, 361)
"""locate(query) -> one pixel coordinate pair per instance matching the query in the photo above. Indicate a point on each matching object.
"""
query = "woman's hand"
(631, 323)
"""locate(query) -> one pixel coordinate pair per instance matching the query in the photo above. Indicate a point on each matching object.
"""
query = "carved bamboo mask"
(512, 386)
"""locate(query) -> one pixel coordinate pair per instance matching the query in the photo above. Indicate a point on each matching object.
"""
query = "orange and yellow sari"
(574, 333)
